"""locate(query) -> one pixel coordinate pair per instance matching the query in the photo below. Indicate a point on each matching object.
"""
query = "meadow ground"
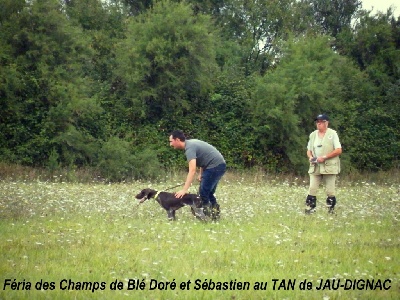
(93, 241)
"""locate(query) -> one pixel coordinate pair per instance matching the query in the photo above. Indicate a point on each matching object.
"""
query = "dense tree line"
(100, 84)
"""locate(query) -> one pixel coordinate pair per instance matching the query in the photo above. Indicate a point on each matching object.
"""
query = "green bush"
(118, 162)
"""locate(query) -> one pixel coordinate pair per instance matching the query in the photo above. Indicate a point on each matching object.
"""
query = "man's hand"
(313, 160)
(180, 194)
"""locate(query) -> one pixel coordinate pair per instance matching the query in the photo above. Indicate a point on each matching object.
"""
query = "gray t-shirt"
(206, 155)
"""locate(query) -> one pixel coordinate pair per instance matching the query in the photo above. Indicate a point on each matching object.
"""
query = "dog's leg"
(171, 214)
(198, 212)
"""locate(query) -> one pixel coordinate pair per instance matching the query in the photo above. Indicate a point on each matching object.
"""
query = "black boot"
(215, 211)
(331, 202)
(206, 205)
(311, 202)
(207, 209)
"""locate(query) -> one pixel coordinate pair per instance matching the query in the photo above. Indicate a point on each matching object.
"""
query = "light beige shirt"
(321, 147)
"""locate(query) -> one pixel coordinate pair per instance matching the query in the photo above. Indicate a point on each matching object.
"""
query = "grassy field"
(93, 241)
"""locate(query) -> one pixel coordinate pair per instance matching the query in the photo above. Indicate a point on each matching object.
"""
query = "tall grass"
(13, 172)
(94, 233)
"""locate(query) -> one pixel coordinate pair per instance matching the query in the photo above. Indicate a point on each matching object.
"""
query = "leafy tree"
(213, 8)
(117, 162)
(167, 61)
(9, 11)
(332, 16)
(103, 26)
(42, 72)
(374, 46)
(224, 120)
(134, 7)
(89, 14)
(310, 79)
(102, 83)
(257, 27)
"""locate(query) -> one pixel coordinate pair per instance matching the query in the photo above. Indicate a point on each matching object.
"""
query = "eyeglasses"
(320, 121)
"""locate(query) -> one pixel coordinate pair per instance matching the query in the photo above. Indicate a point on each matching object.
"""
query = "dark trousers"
(209, 182)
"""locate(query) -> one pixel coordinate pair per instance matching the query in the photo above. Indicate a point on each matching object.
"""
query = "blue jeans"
(209, 182)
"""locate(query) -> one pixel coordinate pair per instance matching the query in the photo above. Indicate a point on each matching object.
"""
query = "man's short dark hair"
(178, 134)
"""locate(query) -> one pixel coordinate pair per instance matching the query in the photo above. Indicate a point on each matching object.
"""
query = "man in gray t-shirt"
(212, 167)
(206, 156)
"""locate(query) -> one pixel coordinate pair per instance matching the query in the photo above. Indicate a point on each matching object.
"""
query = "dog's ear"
(151, 193)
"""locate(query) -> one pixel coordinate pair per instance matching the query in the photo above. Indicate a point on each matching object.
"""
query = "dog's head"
(145, 194)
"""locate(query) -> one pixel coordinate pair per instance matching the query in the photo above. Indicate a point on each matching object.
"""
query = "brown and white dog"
(171, 204)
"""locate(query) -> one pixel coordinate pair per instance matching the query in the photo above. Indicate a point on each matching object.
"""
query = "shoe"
(309, 210)
(207, 209)
(215, 212)
(330, 203)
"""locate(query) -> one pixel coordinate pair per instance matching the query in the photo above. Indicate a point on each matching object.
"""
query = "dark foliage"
(101, 84)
